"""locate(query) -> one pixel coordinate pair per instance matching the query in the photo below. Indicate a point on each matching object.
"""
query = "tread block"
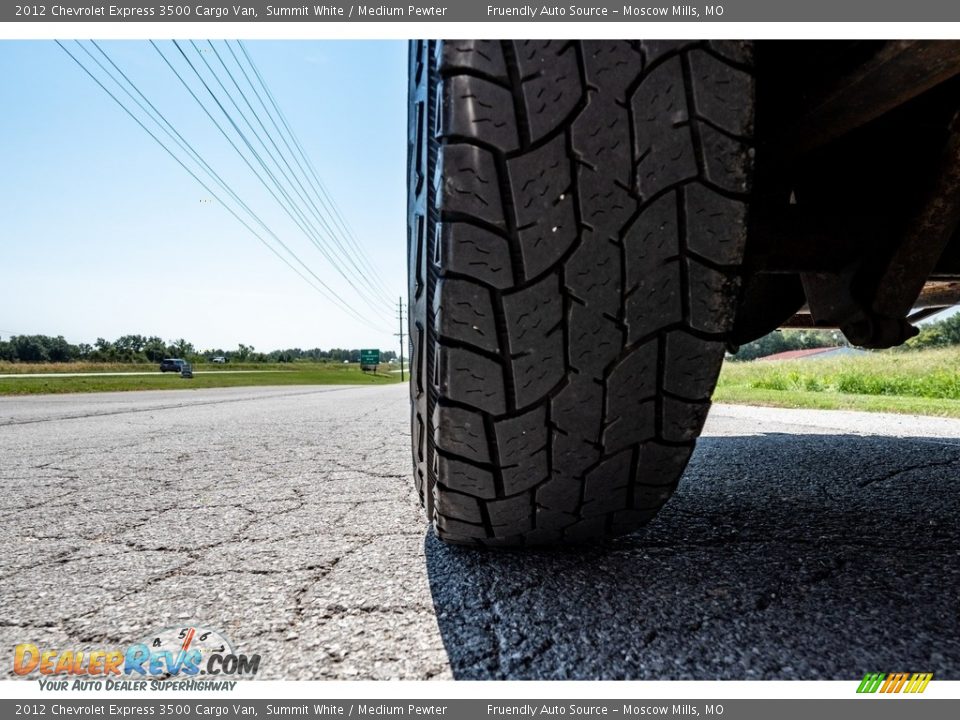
(471, 184)
(654, 302)
(559, 495)
(509, 515)
(573, 456)
(605, 206)
(463, 312)
(593, 274)
(716, 225)
(664, 151)
(739, 51)
(551, 83)
(485, 56)
(460, 432)
(471, 250)
(652, 240)
(535, 374)
(527, 474)
(538, 179)
(522, 446)
(479, 109)
(595, 341)
(625, 430)
(601, 137)
(653, 50)
(459, 507)
(470, 378)
(466, 478)
(691, 365)
(712, 298)
(718, 90)
(611, 65)
(725, 161)
(634, 376)
(536, 342)
(578, 408)
(543, 205)
(606, 487)
(457, 531)
(682, 421)
(659, 464)
(551, 522)
(630, 410)
(653, 269)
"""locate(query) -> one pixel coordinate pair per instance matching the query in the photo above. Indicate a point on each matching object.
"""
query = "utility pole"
(400, 317)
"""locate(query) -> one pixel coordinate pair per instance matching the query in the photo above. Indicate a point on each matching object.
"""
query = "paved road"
(802, 544)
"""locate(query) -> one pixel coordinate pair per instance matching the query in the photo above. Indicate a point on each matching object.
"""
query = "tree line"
(153, 349)
(783, 340)
(941, 333)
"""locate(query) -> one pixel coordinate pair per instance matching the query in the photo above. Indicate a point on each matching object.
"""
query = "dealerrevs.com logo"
(173, 658)
(894, 683)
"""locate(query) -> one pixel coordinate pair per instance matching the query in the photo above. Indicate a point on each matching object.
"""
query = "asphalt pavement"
(800, 545)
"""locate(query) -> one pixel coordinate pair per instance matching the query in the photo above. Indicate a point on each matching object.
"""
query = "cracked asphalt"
(801, 544)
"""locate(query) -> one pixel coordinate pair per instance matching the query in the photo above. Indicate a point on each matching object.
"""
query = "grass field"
(19, 368)
(269, 374)
(923, 382)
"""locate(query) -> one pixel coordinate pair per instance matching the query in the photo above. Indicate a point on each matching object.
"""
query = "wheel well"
(857, 188)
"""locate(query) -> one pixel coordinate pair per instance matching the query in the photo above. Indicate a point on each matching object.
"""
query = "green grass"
(274, 374)
(920, 382)
(18, 368)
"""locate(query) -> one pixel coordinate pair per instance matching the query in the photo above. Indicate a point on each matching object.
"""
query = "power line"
(187, 147)
(361, 278)
(291, 208)
(292, 178)
(182, 142)
(232, 143)
(332, 297)
(306, 159)
(330, 208)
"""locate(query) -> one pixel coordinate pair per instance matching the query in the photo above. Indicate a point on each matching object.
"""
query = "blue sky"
(103, 234)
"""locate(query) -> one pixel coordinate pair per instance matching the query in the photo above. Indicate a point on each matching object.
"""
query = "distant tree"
(941, 333)
(30, 348)
(154, 349)
(103, 351)
(181, 348)
(59, 350)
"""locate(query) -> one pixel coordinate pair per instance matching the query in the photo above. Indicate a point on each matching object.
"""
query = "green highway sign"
(369, 357)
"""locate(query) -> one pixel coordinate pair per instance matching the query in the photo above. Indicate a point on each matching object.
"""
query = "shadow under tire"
(577, 220)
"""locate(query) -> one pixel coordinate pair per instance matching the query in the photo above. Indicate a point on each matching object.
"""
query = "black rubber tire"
(577, 222)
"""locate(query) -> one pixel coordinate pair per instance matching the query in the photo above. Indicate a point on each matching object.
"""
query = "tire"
(577, 220)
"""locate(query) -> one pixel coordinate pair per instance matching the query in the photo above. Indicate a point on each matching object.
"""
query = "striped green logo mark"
(871, 682)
